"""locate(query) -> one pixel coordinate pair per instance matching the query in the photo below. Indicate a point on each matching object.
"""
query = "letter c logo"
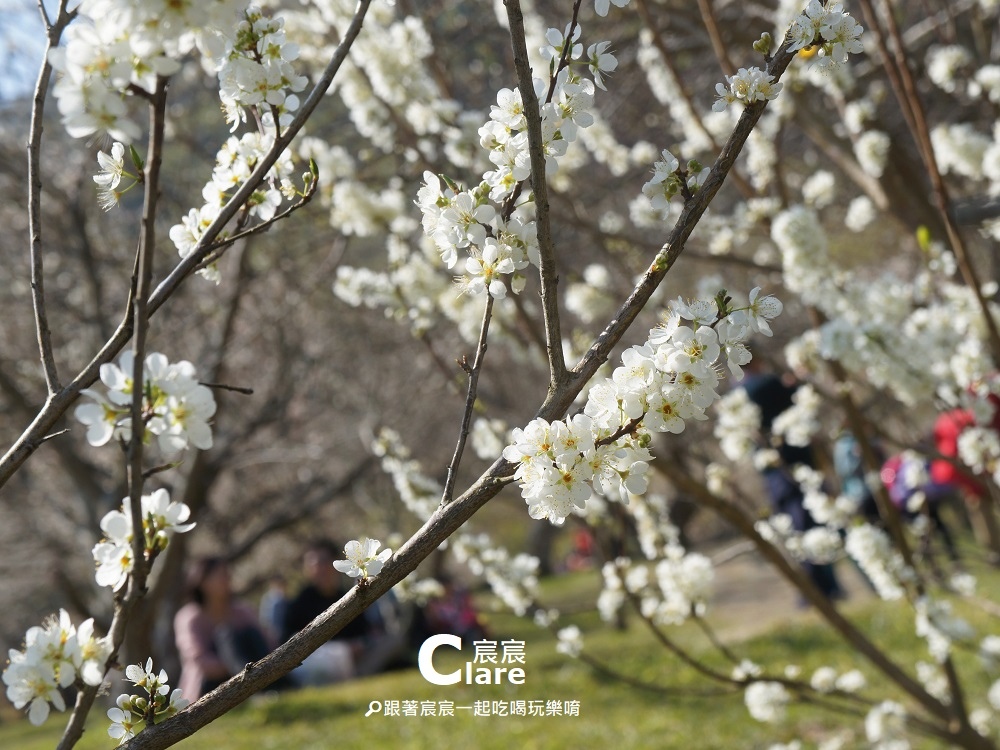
(425, 659)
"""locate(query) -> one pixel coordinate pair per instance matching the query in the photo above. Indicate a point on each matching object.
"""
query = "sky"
(22, 43)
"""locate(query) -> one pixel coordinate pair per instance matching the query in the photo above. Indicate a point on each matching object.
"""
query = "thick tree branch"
(539, 188)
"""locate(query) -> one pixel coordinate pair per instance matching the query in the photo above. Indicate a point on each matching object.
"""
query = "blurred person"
(454, 612)
(273, 605)
(217, 635)
(773, 395)
(363, 646)
(948, 470)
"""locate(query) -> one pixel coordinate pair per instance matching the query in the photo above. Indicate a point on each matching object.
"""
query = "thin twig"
(43, 333)
(718, 46)
(470, 401)
(223, 387)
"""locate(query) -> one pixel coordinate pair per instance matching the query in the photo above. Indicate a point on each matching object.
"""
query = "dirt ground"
(751, 597)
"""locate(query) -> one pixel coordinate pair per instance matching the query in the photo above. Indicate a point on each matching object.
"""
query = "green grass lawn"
(612, 714)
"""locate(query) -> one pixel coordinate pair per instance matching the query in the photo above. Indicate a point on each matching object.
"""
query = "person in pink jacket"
(217, 635)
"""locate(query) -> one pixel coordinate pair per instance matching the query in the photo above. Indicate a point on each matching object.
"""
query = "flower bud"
(763, 45)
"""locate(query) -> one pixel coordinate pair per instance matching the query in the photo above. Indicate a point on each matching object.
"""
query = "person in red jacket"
(948, 427)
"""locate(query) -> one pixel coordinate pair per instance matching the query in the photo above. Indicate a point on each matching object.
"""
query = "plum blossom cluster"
(827, 680)
(660, 385)
(363, 560)
(419, 493)
(466, 220)
(882, 564)
(255, 69)
(668, 180)
(737, 422)
(940, 627)
(115, 48)
(869, 326)
(827, 25)
(513, 578)
(570, 641)
(56, 655)
(746, 86)
(820, 544)
(176, 408)
(797, 424)
(161, 518)
(766, 700)
(235, 162)
(155, 703)
(499, 244)
(679, 589)
(885, 726)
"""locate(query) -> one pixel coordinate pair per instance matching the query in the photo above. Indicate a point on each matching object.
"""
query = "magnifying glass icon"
(373, 708)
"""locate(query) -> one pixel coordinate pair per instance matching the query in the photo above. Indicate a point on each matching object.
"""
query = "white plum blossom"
(131, 712)
(363, 558)
(746, 86)
(860, 213)
(852, 681)
(885, 726)
(601, 7)
(872, 151)
(882, 564)
(944, 63)
(824, 680)
(766, 701)
(123, 721)
(601, 62)
(176, 406)
(800, 422)
(112, 168)
(161, 519)
(570, 641)
(819, 189)
(759, 312)
(56, 655)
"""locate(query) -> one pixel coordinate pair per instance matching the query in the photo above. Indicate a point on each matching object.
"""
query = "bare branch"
(42, 331)
(539, 187)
